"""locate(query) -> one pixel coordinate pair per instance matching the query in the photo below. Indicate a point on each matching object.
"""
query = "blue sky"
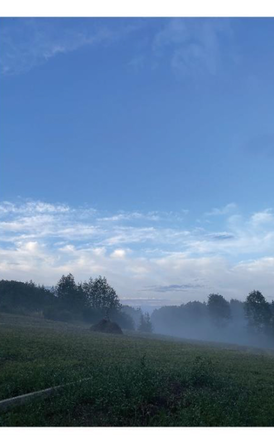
(141, 149)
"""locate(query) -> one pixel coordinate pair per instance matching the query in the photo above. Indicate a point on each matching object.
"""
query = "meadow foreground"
(133, 379)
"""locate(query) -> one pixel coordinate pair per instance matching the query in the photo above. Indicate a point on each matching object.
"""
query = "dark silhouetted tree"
(258, 312)
(100, 295)
(195, 311)
(71, 296)
(218, 309)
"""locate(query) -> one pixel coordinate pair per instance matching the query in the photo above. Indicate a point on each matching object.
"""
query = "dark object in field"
(106, 326)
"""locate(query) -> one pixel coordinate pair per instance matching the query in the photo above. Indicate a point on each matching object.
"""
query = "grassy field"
(135, 380)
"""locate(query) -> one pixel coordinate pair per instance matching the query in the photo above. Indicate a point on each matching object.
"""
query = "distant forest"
(248, 323)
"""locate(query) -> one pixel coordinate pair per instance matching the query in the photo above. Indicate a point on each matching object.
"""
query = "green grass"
(135, 380)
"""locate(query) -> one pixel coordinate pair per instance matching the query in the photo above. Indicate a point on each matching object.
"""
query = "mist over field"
(201, 327)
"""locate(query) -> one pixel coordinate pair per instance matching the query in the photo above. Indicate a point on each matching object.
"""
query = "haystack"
(106, 326)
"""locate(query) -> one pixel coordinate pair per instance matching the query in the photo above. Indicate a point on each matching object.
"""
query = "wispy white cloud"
(26, 43)
(261, 218)
(223, 210)
(193, 46)
(129, 216)
(31, 207)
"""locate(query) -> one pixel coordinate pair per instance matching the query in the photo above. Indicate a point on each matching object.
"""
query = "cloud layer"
(155, 255)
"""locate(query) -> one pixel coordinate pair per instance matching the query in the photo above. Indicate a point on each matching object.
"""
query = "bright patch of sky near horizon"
(141, 149)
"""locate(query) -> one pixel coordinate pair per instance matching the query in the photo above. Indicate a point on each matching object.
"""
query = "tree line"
(246, 322)
(249, 321)
(90, 301)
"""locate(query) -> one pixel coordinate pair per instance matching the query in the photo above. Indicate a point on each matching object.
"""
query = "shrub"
(106, 326)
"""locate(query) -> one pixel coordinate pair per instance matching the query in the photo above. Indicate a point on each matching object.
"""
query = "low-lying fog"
(219, 321)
